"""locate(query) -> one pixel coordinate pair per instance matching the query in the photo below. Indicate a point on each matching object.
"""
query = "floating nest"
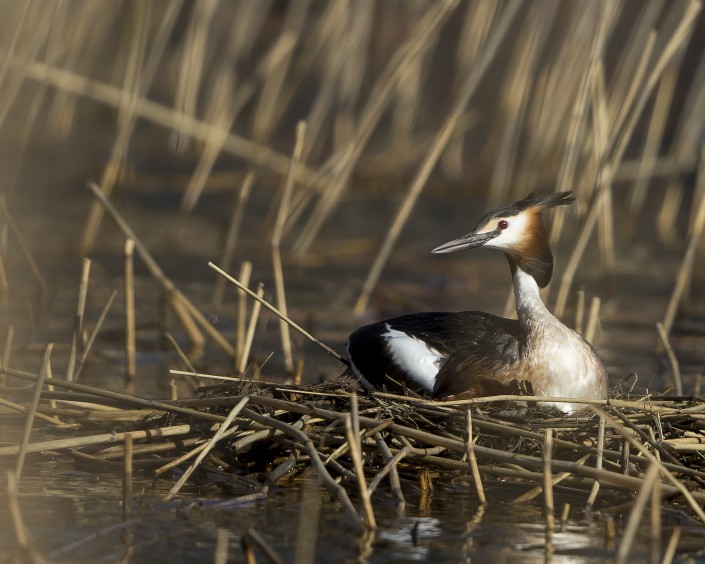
(263, 434)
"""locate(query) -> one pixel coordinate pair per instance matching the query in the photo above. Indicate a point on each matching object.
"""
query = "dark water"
(63, 506)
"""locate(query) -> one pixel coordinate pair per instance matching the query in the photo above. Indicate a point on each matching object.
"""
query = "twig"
(127, 479)
(94, 333)
(548, 481)
(250, 335)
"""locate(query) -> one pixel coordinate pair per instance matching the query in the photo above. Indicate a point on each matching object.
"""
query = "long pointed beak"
(469, 241)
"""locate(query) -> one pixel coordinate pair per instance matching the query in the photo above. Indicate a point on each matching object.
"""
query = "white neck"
(527, 295)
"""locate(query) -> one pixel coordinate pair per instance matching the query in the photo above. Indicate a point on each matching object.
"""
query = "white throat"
(528, 297)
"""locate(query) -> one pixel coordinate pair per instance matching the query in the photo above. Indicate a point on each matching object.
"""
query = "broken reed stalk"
(675, 368)
(258, 540)
(548, 481)
(127, 479)
(564, 517)
(438, 146)
(94, 333)
(278, 313)
(646, 489)
(472, 460)
(187, 312)
(31, 412)
(250, 335)
(211, 443)
(276, 243)
(226, 259)
(13, 503)
(356, 455)
(77, 337)
(394, 481)
(129, 286)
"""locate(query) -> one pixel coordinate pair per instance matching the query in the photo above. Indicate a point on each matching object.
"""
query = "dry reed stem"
(74, 83)
(211, 443)
(685, 268)
(77, 337)
(183, 307)
(654, 137)
(91, 440)
(644, 451)
(593, 319)
(276, 242)
(394, 481)
(31, 412)
(94, 333)
(579, 310)
(472, 460)
(538, 490)
(55, 421)
(672, 546)
(564, 517)
(4, 284)
(129, 288)
(226, 259)
(127, 479)
(356, 455)
(675, 368)
(24, 249)
(548, 481)
(431, 159)
(250, 335)
(655, 521)
(651, 477)
(190, 454)
(244, 276)
(278, 313)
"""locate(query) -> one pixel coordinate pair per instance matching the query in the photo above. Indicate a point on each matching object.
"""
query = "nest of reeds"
(271, 432)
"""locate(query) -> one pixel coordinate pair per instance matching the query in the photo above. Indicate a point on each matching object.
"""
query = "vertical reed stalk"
(249, 337)
(130, 346)
(32, 411)
(472, 460)
(222, 540)
(593, 319)
(7, 351)
(276, 242)
(356, 455)
(77, 338)
(548, 481)
(675, 368)
(127, 479)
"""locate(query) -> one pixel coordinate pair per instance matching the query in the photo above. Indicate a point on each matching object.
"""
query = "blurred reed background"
(238, 132)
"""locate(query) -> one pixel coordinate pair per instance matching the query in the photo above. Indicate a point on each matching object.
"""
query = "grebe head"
(519, 231)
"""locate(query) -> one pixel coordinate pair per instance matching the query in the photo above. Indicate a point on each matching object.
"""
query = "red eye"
(502, 224)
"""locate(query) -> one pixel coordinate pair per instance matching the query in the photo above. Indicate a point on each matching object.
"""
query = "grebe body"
(471, 353)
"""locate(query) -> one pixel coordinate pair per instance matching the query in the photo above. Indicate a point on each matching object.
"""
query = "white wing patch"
(414, 357)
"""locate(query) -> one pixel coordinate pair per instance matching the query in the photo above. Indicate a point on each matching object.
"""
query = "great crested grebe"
(473, 353)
